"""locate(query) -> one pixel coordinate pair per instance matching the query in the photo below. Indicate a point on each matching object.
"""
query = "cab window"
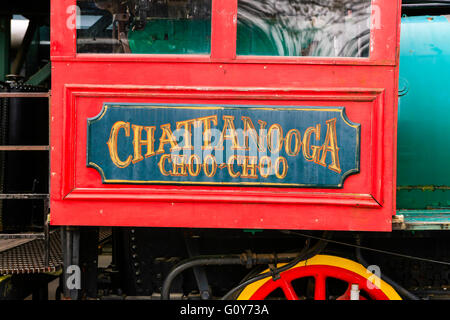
(144, 26)
(322, 28)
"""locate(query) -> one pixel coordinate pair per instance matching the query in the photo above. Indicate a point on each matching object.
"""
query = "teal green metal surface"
(423, 219)
(423, 178)
(42, 75)
(254, 41)
(166, 36)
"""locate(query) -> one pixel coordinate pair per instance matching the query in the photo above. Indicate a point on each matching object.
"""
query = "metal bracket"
(199, 272)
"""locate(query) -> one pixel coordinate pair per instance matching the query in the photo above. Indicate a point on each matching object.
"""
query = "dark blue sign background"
(300, 172)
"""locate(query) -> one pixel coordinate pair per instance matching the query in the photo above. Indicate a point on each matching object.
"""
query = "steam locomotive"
(235, 150)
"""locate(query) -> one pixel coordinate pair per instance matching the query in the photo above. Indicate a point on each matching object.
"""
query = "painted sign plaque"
(280, 146)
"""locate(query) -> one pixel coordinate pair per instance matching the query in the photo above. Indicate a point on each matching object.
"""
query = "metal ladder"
(45, 235)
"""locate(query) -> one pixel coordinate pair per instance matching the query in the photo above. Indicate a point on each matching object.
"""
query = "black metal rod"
(245, 259)
(194, 262)
(394, 284)
(66, 244)
(74, 294)
(30, 196)
(5, 236)
(46, 233)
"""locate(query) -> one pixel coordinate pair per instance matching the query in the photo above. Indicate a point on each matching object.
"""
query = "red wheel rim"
(320, 273)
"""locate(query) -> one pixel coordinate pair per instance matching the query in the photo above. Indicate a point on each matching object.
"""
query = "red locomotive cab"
(224, 113)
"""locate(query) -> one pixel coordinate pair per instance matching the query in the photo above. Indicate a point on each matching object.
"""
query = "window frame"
(224, 36)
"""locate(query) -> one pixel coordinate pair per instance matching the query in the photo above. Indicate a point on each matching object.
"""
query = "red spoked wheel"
(323, 277)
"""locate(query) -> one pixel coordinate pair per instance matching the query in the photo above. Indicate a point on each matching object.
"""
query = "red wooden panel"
(366, 88)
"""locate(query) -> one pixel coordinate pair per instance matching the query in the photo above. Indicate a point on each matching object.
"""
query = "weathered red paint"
(367, 88)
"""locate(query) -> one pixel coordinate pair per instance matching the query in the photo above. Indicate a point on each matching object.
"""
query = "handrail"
(24, 148)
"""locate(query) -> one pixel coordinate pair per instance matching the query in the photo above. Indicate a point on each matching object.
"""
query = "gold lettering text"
(229, 133)
(230, 164)
(179, 167)
(249, 167)
(275, 144)
(331, 146)
(162, 162)
(206, 122)
(265, 166)
(138, 142)
(249, 130)
(288, 143)
(167, 137)
(112, 143)
(306, 141)
(278, 162)
(211, 159)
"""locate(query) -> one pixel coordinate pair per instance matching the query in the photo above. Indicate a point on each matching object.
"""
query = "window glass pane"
(324, 28)
(144, 26)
